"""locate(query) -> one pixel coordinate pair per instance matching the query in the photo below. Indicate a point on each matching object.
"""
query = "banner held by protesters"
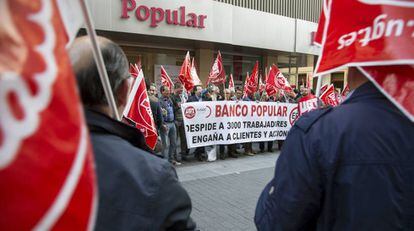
(229, 122)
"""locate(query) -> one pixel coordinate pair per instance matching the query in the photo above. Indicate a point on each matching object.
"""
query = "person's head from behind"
(89, 83)
(165, 91)
(197, 90)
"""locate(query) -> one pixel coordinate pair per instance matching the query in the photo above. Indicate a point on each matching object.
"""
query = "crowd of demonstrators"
(168, 117)
(137, 190)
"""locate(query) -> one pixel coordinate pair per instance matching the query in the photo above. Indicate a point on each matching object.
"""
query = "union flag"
(166, 80)
(47, 179)
(217, 74)
(138, 110)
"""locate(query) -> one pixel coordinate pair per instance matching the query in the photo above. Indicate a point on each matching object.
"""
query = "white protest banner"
(229, 122)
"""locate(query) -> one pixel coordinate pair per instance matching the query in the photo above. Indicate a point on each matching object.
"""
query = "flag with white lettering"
(382, 37)
(380, 44)
(328, 97)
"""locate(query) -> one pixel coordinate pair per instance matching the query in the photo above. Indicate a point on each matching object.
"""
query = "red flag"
(138, 110)
(247, 90)
(323, 88)
(280, 81)
(382, 37)
(231, 83)
(46, 163)
(166, 80)
(321, 26)
(185, 73)
(345, 91)
(194, 75)
(309, 80)
(396, 83)
(382, 46)
(217, 74)
(328, 97)
(271, 88)
(307, 103)
(254, 77)
(262, 86)
(134, 70)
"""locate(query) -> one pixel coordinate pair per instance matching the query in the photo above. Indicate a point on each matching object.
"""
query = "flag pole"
(99, 60)
(318, 86)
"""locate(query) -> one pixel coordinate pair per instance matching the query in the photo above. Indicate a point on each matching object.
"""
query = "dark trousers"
(269, 146)
(248, 147)
(280, 144)
(231, 149)
(183, 140)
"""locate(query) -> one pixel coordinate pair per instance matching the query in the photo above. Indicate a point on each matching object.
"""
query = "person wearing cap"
(345, 168)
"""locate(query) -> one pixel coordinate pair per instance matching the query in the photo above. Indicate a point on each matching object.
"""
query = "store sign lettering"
(157, 15)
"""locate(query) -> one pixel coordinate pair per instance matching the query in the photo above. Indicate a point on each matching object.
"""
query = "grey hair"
(87, 75)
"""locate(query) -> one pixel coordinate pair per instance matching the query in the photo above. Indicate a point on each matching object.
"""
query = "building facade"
(160, 32)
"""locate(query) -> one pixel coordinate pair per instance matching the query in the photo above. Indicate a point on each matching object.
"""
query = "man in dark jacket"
(178, 99)
(344, 168)
(196, 96)
(137, 190)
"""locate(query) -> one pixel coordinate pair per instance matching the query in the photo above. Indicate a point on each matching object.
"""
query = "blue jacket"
(137, 190)
(344, 168)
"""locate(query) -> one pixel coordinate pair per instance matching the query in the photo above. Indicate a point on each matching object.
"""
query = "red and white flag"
(380, 44)
(185, 73)
(248, 88)
(194, 75)
(166, 80)
(217, 74)
(262, 86)
(271, 88)
(323, 88)
(253, 79)
(280, 80)
(345, 91)
(322, 20)
(134, 70)
(382, 37)
(231, 83)
(396, 83)
(138, 110)
(328, 97)
(307, 103)
(47, 175)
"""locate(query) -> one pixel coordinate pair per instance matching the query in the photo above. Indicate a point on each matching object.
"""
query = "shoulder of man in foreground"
(314, 147)
(137, 189)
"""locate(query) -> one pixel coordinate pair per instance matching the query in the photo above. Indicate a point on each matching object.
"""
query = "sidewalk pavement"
(224, 193)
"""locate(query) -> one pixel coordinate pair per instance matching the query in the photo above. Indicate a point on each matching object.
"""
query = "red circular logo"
(294, 115)
(190, 112)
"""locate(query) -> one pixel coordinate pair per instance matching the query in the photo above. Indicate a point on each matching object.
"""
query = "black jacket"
(137, 190)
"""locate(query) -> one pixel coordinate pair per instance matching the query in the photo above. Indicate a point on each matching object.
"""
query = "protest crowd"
(88, 143)
(168, 116)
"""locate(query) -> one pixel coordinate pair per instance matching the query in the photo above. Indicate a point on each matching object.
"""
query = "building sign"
(156, 15)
